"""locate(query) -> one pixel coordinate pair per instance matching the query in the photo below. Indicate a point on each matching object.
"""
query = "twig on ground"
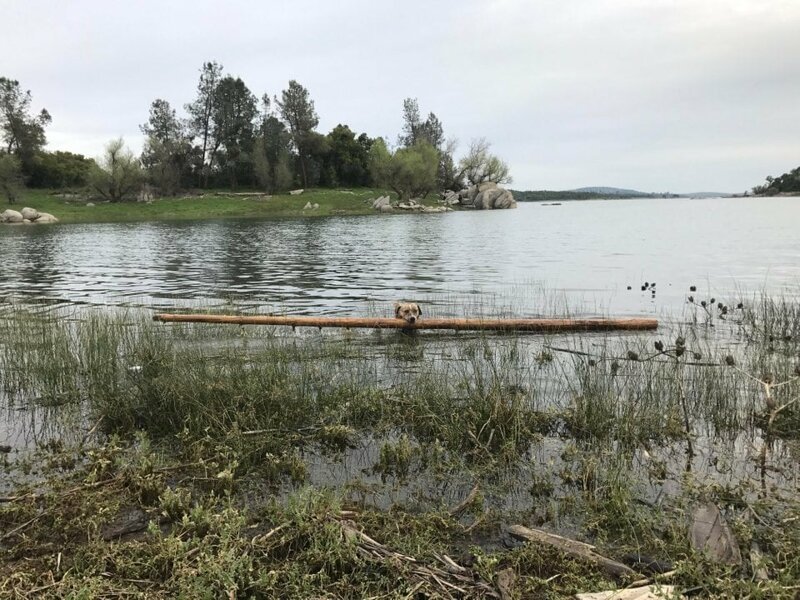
(453, 578)
(464, 504)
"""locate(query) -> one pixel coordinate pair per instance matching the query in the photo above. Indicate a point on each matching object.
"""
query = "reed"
(609, 438)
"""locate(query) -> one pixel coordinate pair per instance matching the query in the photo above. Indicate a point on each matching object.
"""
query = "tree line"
(227, 137)
(784, 184)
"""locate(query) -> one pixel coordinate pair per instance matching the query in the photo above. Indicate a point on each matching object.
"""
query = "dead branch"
(573, 548)
(453, 577)
(464, 504)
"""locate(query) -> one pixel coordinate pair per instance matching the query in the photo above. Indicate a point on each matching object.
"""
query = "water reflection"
(589, 250)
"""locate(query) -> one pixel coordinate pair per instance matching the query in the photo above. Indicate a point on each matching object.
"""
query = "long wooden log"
(534, 325)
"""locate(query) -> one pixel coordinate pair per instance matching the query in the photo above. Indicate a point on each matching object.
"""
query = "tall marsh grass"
(609, 438)
(485, 397)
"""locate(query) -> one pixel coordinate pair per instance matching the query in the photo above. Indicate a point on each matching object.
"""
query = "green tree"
(448, 176)
(272, 174)
(348, 156)
(272, 153)
(317, 150)
(416, 130)
(431, 131)
(410, 172)
(163, 123)
(22, 133)
(297, 110)
(11, 180)
(201, 113)
(479, 165)
(411, 122)
(786, 183)
(163, 164)
(60, 170)
(234, 115)
(379, 161)
(118, 174)
(167, 150)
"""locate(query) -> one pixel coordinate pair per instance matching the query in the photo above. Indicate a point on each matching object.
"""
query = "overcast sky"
(657, 95)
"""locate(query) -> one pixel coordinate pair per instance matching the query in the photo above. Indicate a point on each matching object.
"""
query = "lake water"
(585, 252)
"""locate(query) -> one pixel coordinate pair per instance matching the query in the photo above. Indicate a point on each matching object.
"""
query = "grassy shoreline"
(212, 461)
(208, 205)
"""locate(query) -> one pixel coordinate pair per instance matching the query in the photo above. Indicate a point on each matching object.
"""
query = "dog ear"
(419, 310)
(397, 307)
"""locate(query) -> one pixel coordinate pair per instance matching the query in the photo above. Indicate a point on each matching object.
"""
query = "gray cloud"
(678, 95)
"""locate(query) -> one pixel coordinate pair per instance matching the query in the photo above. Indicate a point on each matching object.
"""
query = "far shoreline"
(209, 205)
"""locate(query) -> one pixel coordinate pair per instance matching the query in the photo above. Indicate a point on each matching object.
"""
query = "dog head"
(408, 311)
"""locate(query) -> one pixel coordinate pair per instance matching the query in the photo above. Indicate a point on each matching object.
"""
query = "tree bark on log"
(532, 325)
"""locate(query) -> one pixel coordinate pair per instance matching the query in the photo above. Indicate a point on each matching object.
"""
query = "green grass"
(222, 439)
(211, 205)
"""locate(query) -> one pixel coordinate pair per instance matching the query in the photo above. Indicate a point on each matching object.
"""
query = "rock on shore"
(384, 204)
(485, 196)
(26, 215)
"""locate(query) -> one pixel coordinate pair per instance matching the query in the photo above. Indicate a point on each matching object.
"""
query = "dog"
(410, 312)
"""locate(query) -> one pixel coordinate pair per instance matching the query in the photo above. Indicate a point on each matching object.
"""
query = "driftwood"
(649, 592)
(533, 325)
(450, 581)
(573, 548)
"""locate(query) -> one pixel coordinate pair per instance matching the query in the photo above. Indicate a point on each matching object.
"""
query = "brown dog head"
(408, 311)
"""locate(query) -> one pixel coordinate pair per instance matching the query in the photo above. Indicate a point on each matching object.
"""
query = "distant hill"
(707, 195)
(583, 194)
(609, 191)
(603, 192)
(621, 192)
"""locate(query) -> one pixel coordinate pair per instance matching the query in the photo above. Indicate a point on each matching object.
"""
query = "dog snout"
(412, 319)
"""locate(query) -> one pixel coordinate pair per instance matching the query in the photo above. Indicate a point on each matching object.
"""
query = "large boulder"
(481, 187)
(30, 213)
(46, 218)
(451, 199)
(487, 196)
(468, 195)
(505, 200)
(11, 216)
(411, 204)
(485, 199)
(296, 192)
(145, 195)
(380, 202)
